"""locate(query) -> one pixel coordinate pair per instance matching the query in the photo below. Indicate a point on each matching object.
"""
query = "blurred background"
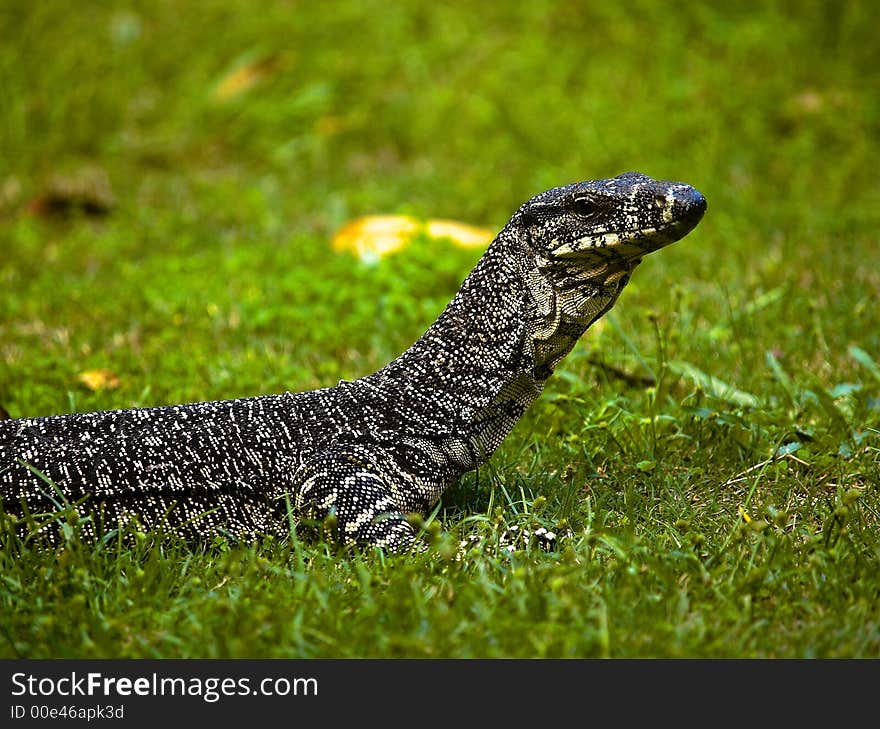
(172, 173)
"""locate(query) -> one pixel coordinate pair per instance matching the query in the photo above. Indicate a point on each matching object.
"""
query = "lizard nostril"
(690, 206)
(695, 203)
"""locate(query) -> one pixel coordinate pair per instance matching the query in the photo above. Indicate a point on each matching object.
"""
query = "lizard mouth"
(647, 241)
(685, 210)
(680, 209)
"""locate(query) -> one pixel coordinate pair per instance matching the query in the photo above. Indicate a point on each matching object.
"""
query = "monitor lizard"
(370, 451)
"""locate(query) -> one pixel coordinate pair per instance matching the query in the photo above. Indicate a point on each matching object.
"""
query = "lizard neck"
(469, 378)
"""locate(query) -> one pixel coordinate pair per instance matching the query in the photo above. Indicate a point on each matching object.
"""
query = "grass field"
(171, 176)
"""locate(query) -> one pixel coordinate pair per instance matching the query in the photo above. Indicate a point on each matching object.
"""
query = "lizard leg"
(347, 481)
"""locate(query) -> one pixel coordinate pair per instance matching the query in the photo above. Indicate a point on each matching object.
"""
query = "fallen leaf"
(809, 101)
(245, 75)
(714, 385)
(99, 380)
(376, 236)
(466, 236)
(86, 191)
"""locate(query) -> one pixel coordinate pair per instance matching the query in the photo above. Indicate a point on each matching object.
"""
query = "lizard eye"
(583, 206)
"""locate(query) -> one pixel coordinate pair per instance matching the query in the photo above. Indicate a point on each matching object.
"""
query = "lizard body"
(371, 450)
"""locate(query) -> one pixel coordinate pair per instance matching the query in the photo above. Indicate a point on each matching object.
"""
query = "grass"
(713, 447)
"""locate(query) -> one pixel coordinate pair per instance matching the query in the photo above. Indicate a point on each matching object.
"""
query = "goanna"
(372, 450)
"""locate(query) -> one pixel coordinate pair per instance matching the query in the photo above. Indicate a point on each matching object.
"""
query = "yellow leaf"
(467, 236)
(375, 236)
(245, 76)
(99, 380)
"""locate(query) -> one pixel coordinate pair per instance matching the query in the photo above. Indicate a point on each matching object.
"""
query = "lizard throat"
(556, 320)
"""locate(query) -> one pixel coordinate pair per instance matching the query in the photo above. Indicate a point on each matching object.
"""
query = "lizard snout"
(688, 205)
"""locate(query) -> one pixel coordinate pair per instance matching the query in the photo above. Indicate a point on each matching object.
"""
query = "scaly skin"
(372, 450)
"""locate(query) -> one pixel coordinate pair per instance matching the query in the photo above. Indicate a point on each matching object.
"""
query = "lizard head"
(580, 243)
(604, 227)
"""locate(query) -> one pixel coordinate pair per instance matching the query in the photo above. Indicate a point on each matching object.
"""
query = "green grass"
(731, 508)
